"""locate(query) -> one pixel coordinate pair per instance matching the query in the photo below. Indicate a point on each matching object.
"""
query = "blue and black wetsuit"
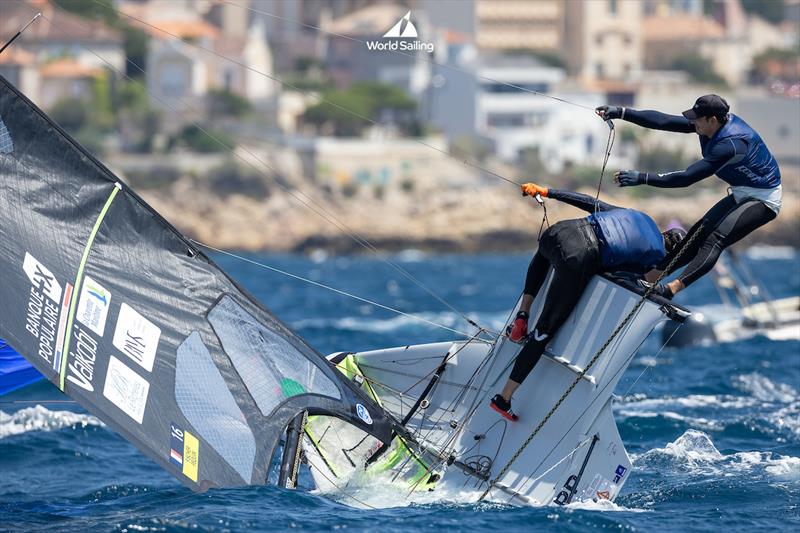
(611, 238)
(737, 155)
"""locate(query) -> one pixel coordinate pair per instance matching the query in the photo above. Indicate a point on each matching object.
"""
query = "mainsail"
(112, 304)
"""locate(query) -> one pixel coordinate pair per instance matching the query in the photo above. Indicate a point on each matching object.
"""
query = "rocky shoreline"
(486, 219)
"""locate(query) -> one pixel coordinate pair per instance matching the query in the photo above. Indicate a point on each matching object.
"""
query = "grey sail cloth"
(112, 304)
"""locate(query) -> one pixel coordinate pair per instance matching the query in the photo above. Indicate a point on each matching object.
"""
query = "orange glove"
(531, 189)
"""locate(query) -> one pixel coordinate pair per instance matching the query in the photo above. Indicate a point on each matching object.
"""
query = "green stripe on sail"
(78, 279)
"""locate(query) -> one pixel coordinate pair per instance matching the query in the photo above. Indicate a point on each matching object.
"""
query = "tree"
(222, 102)
(351, 110)
(699, 69)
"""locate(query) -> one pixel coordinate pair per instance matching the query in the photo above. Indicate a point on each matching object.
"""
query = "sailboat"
(132, 320)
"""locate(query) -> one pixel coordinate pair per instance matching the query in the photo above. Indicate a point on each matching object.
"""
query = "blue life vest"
(627, 237)
(754, 168)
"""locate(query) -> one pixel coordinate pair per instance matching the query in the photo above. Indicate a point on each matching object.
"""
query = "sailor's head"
(708, 114)
(672, 238)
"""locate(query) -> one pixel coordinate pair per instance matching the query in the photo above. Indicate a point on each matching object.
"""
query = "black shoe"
(503, 407)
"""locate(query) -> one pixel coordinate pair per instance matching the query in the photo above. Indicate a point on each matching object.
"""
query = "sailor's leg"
(564, 292)
(737, 223)
(709, 221)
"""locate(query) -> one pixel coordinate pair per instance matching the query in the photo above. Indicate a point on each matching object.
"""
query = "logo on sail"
(363, 414)
(404, 28)
(93, 305)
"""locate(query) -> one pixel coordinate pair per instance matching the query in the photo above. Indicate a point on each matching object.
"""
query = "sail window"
(207, 403)
(272, 368)
(6, 146)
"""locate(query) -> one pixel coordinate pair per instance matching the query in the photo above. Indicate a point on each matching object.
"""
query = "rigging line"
(685, 244)
(314, 208)
(612, 136)
(655, 357)
(413, 56)
(333, 289)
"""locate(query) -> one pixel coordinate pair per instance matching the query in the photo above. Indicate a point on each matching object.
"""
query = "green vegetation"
(205, 140)
(88, 120)
(781, 63)
(348, 112)
(772, 11)
(138, 123)
(699, 69)
(222, 102)
(659, 159)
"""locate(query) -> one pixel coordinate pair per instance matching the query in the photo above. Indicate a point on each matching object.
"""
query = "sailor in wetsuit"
(610, 239)
(736, 154)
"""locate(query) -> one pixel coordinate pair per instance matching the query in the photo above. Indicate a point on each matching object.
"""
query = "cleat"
(503, 407)
(519, 329)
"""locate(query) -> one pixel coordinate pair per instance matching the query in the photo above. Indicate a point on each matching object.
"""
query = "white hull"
(458, 427)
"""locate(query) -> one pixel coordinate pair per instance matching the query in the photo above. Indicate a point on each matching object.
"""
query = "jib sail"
(108, 301)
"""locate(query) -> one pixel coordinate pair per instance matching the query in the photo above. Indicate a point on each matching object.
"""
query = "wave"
(765, 389)
(40, 418)
(694, 452)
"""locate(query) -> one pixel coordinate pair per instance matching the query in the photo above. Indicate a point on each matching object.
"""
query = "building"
(60, 34)
(603, 39)
(519, 25)
(189, 56)
(19, 67)
(66, 79)
(510, 113)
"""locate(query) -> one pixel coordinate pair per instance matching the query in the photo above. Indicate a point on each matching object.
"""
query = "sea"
(713, 431)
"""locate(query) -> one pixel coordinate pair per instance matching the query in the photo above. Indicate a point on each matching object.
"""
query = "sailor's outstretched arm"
(724, 153)
(654, 120)
(582, 201)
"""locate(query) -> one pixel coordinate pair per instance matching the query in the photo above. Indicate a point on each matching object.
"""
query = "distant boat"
(749, 310)
(15, 371)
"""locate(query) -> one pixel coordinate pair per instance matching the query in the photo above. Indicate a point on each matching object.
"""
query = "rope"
(612, 135)
(591, 363)
(333, 289)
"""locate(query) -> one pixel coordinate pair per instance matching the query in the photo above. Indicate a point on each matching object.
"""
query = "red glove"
(531, 189)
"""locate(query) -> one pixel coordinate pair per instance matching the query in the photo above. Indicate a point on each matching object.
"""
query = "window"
(612, 7)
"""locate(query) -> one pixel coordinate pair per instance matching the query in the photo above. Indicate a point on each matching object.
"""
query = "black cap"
(710, 105)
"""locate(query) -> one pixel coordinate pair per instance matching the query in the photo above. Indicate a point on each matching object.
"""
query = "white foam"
(40, 418)
(694, 451)
(601, 505)
(764, 389)
(724, 401)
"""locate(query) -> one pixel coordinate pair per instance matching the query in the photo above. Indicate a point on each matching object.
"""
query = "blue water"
(714, 431)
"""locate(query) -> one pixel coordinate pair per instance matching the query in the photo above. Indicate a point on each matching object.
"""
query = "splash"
(40, 418)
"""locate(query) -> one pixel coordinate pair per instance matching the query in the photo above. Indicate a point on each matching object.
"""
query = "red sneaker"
(499, 404)
(519, 329)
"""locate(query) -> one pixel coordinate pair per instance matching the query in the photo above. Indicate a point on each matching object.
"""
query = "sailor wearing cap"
(734, 152)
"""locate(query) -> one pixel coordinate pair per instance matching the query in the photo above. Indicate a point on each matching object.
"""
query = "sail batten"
(111, 303)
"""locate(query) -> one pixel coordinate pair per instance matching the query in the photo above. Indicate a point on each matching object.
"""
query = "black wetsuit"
(575, 251)
(727, 221)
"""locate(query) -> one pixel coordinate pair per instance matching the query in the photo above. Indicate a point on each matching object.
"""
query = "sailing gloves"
(519, 329)
(627, 178)
(531, 189)
(607, 112)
